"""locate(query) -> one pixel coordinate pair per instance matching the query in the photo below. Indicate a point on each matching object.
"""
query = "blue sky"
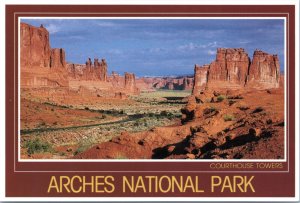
(160, 46)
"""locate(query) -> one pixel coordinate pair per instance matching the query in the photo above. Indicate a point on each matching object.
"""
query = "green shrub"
(164, 113)
(228, 117)
(37, 146)
(220, 98)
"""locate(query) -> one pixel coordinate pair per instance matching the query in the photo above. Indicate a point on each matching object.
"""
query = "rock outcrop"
(130, 84)
(101, 69)
(36, 51)
(188, 83)
(264, 70)
(58, 58)
(35, 46)
(200, 78)
(230, 65)
(172, 83)
(41, 66)
(232, 69)
(96, 71)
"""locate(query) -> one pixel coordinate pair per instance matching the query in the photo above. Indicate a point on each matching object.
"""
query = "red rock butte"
(233, 69)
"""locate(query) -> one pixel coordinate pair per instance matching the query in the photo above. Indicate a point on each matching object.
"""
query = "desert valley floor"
(226, 125)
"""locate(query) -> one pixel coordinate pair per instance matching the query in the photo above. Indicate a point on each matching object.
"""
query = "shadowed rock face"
(232, 69)
(35, 47)
(58, 58)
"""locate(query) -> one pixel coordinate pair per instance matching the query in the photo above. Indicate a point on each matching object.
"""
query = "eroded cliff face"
(264, 70)
(40, 65)
(58, 58)
(230, 65)
(232, 69)
(35, 47)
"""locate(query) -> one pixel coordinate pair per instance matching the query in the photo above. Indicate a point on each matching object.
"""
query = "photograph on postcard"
(152, 88)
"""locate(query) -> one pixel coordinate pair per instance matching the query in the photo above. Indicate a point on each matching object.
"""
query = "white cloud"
(211, 52)
(52, 28)
(192, 46)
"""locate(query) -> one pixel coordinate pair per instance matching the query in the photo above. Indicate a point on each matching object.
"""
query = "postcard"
(139, 101)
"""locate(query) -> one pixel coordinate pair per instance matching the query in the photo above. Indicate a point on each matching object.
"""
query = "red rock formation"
(96, 71)
(58, 58)
(264, 71)
(231, 65)
(171, 83)
(281, 83)
(232, 69)
(130, 84)
(160, 84)
(170, 86)
(35, 47)
(103, 70)
(88, 64)
(37, 58)
(116, 80)
(188, 83)
(200, 78)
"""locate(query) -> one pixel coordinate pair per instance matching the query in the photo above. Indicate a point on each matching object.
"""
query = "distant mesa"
(174, 83)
